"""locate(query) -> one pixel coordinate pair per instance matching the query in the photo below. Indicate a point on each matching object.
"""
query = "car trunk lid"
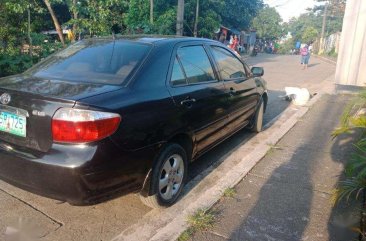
(36, 100)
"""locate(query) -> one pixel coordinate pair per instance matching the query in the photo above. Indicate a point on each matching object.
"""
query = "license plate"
(13, 124)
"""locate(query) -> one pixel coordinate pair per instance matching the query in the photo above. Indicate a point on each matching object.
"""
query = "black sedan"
(110, 116)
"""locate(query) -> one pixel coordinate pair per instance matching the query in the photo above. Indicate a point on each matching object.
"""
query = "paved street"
(287, 195)
(60, 221)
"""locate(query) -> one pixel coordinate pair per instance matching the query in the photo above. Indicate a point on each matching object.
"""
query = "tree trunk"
(196, 20)
(151, 11)
(195, 30)
(55, 22)
(180, 16)
(29, 36)
(75, 16)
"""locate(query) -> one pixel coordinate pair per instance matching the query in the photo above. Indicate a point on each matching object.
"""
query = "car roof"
(153, 39)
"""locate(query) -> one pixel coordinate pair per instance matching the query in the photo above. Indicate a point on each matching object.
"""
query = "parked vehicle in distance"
(106, 117)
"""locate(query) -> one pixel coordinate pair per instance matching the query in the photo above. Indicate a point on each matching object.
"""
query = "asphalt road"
(53, 220)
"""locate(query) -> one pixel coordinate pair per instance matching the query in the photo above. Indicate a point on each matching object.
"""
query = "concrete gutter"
(207, 188)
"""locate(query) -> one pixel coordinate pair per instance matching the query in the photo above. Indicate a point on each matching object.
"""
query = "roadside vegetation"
(307, 28)
(32, 29)
(202, 220)
(229, 192)
(354, 184)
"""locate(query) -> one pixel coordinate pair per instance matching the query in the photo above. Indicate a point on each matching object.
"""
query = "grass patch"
(229, 192)
(273, 148)
(202, 220)
(186, 235)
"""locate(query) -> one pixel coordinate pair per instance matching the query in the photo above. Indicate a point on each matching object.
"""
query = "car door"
(199, 95)
(240, 87)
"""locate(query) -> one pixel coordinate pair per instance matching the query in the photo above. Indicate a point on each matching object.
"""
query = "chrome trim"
(14, 110)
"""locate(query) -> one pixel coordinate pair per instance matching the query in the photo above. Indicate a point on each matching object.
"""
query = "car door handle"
(188, 102)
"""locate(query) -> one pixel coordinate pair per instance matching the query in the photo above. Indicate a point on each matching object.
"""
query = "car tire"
(168, 177)
(258, 118)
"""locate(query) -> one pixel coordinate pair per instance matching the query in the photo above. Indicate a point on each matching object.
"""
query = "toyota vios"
(105, 117)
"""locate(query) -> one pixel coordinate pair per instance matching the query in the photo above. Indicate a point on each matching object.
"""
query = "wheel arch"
(183, 139)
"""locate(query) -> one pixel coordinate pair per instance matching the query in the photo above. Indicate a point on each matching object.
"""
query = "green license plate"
(12, 123)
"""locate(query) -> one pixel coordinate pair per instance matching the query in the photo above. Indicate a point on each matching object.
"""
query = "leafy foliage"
(314, 19)
(286, 47)
(239, 13)
(268, 23)
(102, 17)
(309, 35)
(353, 118)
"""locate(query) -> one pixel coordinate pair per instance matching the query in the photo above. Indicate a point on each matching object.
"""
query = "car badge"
(5, 98)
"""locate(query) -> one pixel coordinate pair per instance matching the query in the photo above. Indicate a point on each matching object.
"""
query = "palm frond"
(352, 186)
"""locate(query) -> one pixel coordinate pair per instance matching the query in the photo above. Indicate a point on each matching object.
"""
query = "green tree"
(309, 35)
(98, 17)
(268, 23)
(138, 16)
(209, 19)
(238, 13)
(314, 19)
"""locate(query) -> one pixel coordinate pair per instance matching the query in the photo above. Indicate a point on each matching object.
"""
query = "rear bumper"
(80, 175)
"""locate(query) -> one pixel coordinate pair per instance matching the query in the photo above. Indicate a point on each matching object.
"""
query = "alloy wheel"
(171, 176)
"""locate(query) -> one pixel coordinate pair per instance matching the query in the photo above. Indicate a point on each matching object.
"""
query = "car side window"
(178, 77)
(196, 64)
(229, 66)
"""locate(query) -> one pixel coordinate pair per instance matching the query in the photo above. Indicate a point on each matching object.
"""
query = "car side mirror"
(257, 71)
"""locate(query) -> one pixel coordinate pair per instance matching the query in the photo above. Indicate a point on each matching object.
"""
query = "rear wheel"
(258, 118)
(168, 177)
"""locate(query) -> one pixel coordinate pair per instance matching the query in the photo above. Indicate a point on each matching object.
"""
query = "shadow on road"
(312, 65)
(260, 58)
(294, 198)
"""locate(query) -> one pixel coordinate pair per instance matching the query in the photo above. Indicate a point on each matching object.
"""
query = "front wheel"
(168, 177)
(258, 118)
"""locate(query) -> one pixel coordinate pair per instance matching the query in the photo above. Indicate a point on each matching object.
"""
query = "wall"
(330, 43)
(351, 62)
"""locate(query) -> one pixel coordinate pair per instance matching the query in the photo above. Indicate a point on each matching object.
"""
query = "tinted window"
(110, 62)
(178, 77)
(196, 64)
(229, 66)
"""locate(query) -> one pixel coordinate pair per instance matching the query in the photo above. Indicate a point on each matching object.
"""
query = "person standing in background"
(297, 47)
(222, 38)
(305, 56)
(234, 44)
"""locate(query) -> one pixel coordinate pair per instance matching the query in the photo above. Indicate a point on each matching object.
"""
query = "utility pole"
(321, 47)
(196, 21)
(180, 17)
(151, 11)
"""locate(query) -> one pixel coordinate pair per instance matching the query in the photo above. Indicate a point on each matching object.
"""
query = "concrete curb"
(209, 186)
(329, 61)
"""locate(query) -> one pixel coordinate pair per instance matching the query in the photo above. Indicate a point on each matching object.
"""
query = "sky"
(290, 8)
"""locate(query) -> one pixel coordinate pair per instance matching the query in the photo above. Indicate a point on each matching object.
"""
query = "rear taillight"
(79, 126)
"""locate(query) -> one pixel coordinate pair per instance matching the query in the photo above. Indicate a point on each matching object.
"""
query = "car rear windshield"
(107, 62)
